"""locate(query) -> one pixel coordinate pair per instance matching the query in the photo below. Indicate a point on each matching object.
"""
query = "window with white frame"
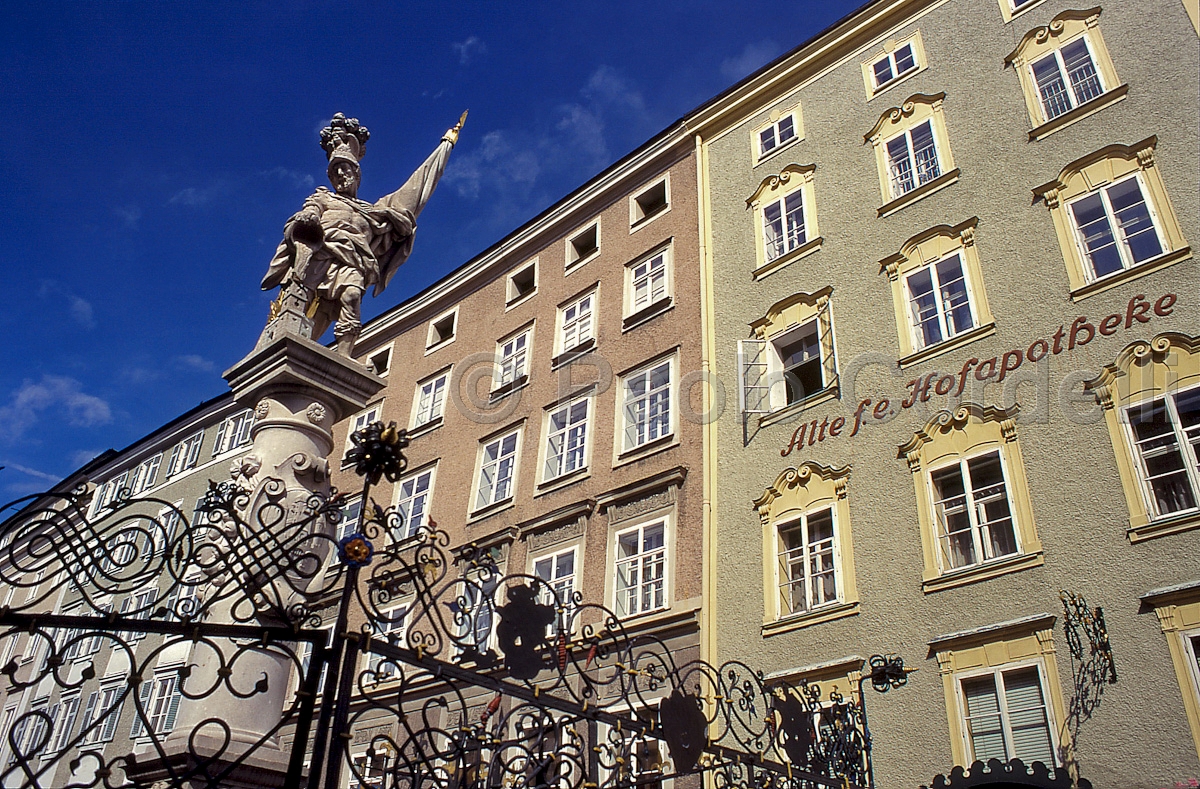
(778, 133)
(1066, 78)
(234, 432)
(512, 356)
(649, 203)
(441, 330)
(648, 281)
(102, 713)
(64, 722)
(361, 420)
(1006, 716)
(807, 563)
(939, 301)
(413, 496)
(567, 438)
(431, 399)
(1166, 440)
(390, 627)
(478, 623)
(783, 225)
(1115, 227)
(641, 569)
(973, 512)
(145, 475)
(185, 454)
(558, 573)
(28, 731)
(584, 245)
(791, 357)
(497, 469)
(108, 492)
(159, 699)
(912, 158)
(646, 406)
(893, 65)
(139, 605)
(348, 522)
(576, 322)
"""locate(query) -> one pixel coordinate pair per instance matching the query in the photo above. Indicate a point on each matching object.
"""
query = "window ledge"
(905, 77)
(638, 225)
(647, 313)
(425, 427)
(440, 345)
(562, 480)
(491, 509)
(771, 154)
(519, 300)
(1161, 527)
(579, 262)
(571, 354)
(1079, 113)
(922, 191)
(505, 390)
(982, 572)
(1140, 270)
(788, 411)
(1011, 14)
(772, 266)
(648, 448)
(826, 613)
(945, 346)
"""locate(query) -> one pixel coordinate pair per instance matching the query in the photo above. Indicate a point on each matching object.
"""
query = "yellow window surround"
(1144, 371)
(790, 313)
(1067, 27)
(1178, 611)
(798, 491)
(924, 249)
(1097, 170)
(792, 178)
(915, 110)
(1006, 645)
(920, 63)
(971, 431)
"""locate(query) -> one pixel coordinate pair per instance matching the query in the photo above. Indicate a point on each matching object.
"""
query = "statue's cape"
(410, 199)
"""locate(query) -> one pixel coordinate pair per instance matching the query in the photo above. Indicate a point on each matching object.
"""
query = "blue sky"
(154, 150)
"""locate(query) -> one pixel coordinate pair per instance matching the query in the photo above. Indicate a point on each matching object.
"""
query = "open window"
(521, 284)
(441, 330)
(790, 362)
(649, 203)
(584, 245)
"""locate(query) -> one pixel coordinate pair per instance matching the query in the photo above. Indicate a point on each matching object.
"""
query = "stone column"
(298, 390)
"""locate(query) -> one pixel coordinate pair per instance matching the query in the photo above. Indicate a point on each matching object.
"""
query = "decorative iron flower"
(355, 550)
(377, 452)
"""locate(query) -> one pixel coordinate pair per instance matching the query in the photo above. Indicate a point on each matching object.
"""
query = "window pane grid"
(973, 512)
(649, 281)
(496, 471)
(640, 570)
(414, 501)
(432, 400)
(808, 577)
(913, 159)
(648, 405)
(939, 302)
(566, 441)
(1166, 432)
(1115, 228)
(512, 359)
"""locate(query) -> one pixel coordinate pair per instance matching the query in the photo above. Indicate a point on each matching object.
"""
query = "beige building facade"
(948, 247)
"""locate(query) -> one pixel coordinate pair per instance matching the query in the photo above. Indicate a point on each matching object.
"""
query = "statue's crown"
(344, 139)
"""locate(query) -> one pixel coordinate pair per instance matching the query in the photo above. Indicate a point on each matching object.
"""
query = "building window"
(584, 245)
(1006, 716)
(576, 321)
(234, 432)
(391, 627)
(1113, 218)
(360, 421)
(477, 625)
(413, 496)
(937, 292)
(512, 359)
(808, 567)
(380, 361)
(431, 400)
(64, 722)
(1012, 8)
(972, 496)
(893, 65)
(647, 286)
(521, 283)
(791, 358)
(497, 469)
(912, 151)
(974, 517)
(102, 713)
(185, 454)
(159, 700)
(441, 331)
(649, 203)
(647, 409)
(1151, 402)
(558, 573)
(785, 218)
(566, 439)
(807, 572)
(784, 129)
(1178, 610)
(1065, 71)
(348, 521)
(899, 60)
(641, 569)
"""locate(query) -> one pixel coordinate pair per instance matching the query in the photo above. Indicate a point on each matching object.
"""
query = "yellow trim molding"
(1144, 371)
(798, 491)
(890, 46)
(794, 177)
(1092, 172)
(916, 109)
(968, 431)
(1178, 611)
(790, 313)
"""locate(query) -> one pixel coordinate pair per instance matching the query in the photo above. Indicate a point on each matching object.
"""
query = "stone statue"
(337, 246)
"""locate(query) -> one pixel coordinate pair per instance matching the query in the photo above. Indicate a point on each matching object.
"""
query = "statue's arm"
(305, 226)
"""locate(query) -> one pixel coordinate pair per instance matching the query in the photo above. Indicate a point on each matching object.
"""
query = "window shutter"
(983, 719)
(827, 343)
(752, 366)
(142, 711)
(172, 707)
(89, 713)
(114, 713)
(222, 431)
(1027, 717)
(194, 449)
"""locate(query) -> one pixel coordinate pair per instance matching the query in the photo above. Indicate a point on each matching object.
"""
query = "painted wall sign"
(920, 389)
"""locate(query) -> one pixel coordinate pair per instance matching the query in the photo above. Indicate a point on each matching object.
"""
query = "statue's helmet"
(344, 140)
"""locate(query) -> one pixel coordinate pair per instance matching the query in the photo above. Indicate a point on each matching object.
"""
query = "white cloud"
(291, 177)
(130, 215)
(62, 397)
(192, 361)
(81, 456)
(192, 197)
(469, 50)
(752, 57)
(33, 472)
(79, 309)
